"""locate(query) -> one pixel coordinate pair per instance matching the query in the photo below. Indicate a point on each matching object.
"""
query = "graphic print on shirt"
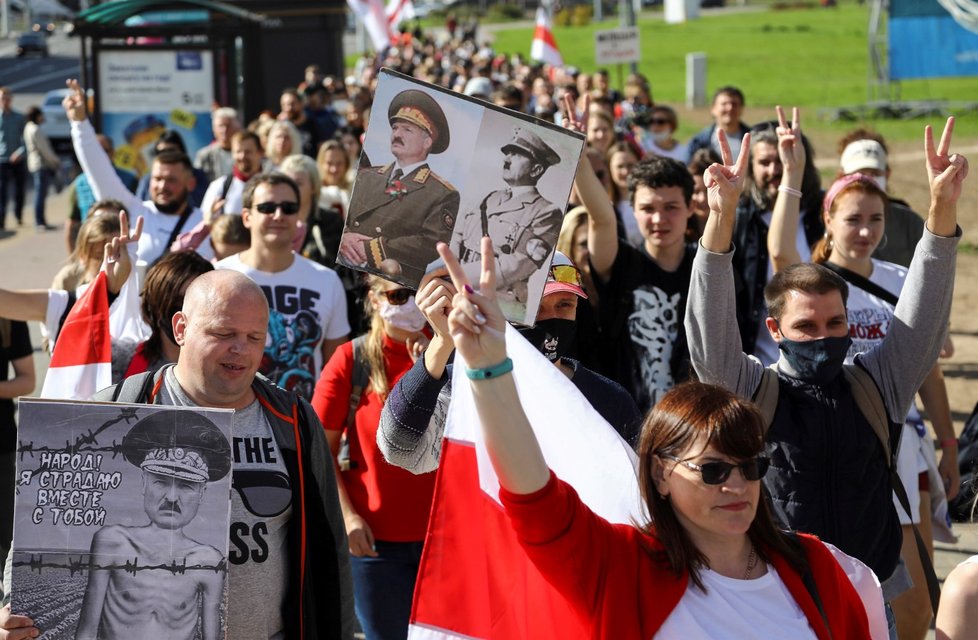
(294, 334)
(266, 494)
(868, 327)
(653, 327)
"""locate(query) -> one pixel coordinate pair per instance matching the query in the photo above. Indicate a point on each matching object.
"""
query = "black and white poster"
(121, 520)
(438, 166)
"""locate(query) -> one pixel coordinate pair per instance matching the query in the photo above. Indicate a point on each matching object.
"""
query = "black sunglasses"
(397, 297)
(288, 208)
(718, 472)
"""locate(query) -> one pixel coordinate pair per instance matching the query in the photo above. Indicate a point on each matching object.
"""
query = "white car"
(55, 121)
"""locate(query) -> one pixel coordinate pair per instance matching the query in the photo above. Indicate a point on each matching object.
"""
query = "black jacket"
(751, 262)
(319, 603)
(829, 474)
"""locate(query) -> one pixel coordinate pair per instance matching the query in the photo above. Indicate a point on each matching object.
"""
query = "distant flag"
(475, 582)
(374, 18)
(544, 47)
(399, 11)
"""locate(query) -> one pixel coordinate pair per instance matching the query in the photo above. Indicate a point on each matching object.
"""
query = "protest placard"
(438, 166)
(121, 520)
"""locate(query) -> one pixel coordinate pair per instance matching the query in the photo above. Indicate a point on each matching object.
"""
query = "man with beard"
(400, 211)
(751, 262)
(224, 193)
(166, 213)
(179, 452)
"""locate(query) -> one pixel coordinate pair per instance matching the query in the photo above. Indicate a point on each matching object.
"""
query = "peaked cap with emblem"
(179, 444)
(421, 110)
(532, 145)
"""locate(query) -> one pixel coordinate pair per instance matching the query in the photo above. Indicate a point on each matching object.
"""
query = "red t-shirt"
(394, 502)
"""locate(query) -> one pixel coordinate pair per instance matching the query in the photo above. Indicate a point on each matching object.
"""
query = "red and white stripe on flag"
(399, 11)
(81, 363)
(544, 47)
(475, 581)
(374, 19)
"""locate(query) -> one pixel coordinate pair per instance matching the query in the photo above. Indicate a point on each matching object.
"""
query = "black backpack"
(961, 508)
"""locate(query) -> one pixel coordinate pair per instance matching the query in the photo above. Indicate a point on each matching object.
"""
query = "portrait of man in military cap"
(522, 223)
(152, 580)
(400, 210)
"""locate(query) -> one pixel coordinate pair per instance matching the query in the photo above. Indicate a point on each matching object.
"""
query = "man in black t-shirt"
(642, 289)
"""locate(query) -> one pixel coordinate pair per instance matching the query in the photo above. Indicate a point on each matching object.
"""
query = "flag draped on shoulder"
(374, 18)
(474, 580)
(81, 362)
(544, 47)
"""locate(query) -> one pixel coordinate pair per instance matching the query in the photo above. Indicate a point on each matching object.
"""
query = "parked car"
(31, 42)
(56, 125)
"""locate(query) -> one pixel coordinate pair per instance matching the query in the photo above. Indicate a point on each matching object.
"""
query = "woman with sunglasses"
(853, 212)
(385, 508)
(707, 563)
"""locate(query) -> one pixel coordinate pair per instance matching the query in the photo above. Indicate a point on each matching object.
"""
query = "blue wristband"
(502, 368)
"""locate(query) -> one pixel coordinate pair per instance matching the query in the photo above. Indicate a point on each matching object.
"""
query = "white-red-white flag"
(399, 11)
(81, 362)
(474, 580)
(374, 18)
(544, 47)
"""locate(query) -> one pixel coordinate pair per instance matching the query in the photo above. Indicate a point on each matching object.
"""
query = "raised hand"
(434, 299)
(571, 120)
(725, 182)
(117, 264)
(74, 102)
(945, 172)
(476, 322)
(790, 147)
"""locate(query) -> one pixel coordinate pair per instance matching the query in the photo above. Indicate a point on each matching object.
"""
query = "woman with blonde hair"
(334, 167)
(283, 141)
(385, 507)
(82, 265)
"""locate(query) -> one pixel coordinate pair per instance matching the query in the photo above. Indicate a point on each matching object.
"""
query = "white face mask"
(661, 136)
(407, 316)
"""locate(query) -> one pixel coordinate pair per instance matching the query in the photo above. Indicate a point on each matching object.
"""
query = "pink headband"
(844, 182)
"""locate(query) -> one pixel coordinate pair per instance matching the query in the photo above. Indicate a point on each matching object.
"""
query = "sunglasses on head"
(718, 472)
(397, 297)
(288, 208)
(565, 273)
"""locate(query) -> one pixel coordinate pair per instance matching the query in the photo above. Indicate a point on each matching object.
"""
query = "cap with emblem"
(421, 110)
(563, 276)
(179, 444)
(863, 154)
(532, 145)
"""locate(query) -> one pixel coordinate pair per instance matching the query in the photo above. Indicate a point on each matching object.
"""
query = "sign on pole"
(617, 46)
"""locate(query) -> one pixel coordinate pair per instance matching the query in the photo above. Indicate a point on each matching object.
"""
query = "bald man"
(288, 561)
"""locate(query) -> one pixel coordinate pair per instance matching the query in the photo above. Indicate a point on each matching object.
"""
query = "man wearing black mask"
(829, 472)
(413, 418)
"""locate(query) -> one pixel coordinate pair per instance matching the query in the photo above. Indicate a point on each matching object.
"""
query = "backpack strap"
(360, 380)
(134, 389)
(766, 396)
(870, 402)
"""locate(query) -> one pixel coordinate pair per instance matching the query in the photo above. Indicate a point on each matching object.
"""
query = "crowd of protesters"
(678, 261)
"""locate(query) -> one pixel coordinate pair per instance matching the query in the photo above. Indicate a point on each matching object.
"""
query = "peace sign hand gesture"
(117, 264)
(945, 172)
(725, 182)
(790, 147)
(476, 322)
(571, 119)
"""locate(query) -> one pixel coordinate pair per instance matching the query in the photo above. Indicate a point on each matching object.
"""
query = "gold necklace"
(751, 562)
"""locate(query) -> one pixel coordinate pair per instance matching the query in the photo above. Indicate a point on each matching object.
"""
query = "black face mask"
(816, 361)
(553, 338)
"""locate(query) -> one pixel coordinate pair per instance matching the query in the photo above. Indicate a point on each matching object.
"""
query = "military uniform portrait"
(522, 222)
(400, 210)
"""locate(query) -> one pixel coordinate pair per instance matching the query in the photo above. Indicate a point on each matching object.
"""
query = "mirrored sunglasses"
(565, 273)
(718, 472)
(268, 208)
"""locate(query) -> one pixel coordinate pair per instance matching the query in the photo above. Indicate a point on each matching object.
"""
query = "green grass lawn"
(813, 58)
